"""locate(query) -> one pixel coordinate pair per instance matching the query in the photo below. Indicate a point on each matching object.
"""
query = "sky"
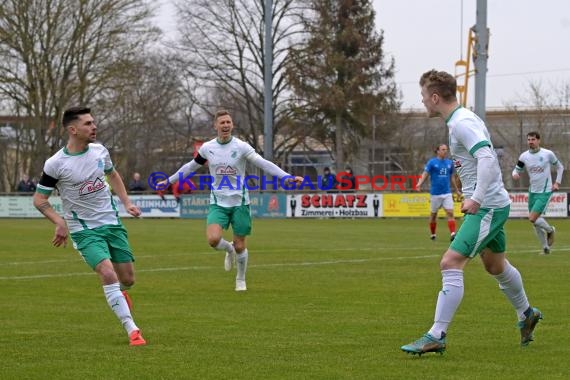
(529, 43)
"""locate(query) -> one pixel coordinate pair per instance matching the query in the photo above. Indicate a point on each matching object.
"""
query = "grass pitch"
(326, 299)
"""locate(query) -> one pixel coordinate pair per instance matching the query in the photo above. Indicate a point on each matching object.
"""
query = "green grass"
(326, 299)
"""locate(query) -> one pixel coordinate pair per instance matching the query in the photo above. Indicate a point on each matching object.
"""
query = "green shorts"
(105, 242)
(537, 202)
(239, 217)
(482, 230)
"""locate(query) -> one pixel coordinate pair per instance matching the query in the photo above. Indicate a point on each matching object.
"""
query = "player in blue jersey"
(441, 173)
(486, 208)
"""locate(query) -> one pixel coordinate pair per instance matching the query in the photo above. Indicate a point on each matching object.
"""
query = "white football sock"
(542, 223)
(224, 245)
(448, 301)
(118, 304)
(510, 282)
(241, 264)
(541, 236)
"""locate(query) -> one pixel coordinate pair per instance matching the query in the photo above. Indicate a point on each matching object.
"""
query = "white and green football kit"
(470, 142)
(229, 199)
(227, 163)
(477, 166)
(229, 196)
(91, 214)
(538, 166)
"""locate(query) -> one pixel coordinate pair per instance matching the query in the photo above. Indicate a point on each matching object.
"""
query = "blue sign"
(263, 205)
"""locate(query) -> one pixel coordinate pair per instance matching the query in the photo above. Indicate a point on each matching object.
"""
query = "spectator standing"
(26, 185)
(136, 184)
(347, 180)
(328, 180)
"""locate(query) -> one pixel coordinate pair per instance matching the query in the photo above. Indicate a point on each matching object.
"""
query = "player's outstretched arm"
(270, 168)
(267, 166)
(297, 179)
(186, 169)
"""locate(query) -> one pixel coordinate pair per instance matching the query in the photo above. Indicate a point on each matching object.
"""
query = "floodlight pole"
(481, 57)
(268, 79)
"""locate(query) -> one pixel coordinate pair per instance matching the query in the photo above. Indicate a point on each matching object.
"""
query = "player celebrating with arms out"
(78, 171)
(227, 157)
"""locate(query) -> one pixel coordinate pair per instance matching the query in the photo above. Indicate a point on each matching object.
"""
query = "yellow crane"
(462, 69)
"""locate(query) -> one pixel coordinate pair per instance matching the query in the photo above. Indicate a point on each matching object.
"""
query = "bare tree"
(545, 109)
(223, 47)
(141, 113)
(60, 52)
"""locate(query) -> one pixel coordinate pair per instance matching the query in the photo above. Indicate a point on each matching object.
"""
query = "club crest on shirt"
(90, 187)
(234, 153)
(226, 170)
(100, 164)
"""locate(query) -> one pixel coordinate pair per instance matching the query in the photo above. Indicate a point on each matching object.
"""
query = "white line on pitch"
(213, 252)
(77, 258)
(177, 269)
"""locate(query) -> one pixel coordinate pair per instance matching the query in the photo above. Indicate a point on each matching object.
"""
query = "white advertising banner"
(557, 207)
(334, 205)
(151, 206)
(309, 205)
(23, 207)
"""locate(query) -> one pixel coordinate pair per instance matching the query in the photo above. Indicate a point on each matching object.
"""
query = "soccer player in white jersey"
(227, 157)
(537, 162)
(486, 208)
(78, 171)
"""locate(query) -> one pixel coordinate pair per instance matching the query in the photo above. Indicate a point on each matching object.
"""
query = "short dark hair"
(533, 134)
(441, 83)
(71, 114)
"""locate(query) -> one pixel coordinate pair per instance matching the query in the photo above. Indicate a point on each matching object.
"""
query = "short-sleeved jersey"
(467, 134)
(80, 178)
(440, 172)
(226, 162)
(537, 165)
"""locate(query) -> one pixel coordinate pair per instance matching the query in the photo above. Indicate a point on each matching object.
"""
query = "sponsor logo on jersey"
(536, 169)
(226, 170)
(90, 187)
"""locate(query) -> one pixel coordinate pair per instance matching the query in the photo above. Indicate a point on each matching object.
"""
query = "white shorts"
(439, 201)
